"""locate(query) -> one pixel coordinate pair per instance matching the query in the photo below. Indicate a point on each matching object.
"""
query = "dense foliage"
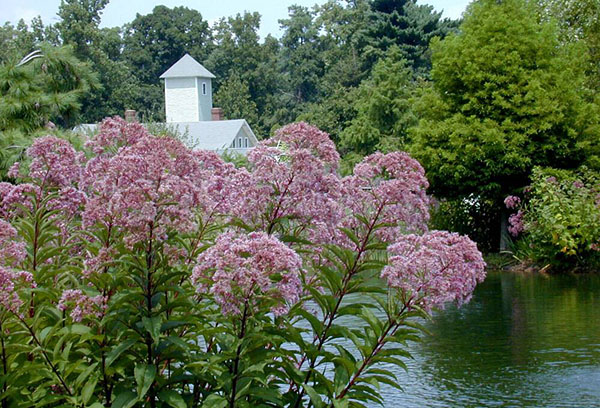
(558, 220)
(328, 47)
(48, 85)
(507, 95)
(141, 273)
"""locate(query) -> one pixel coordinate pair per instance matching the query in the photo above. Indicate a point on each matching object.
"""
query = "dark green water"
(523, 341)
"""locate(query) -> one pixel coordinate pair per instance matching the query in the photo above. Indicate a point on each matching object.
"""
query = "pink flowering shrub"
(141, 273)
(559, 221)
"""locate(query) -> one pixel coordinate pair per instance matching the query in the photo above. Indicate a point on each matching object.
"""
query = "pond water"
(524, 340)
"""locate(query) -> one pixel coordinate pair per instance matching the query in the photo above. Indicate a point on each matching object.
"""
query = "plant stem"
(149, 292)
(48, 361)
(236, 362)
(330, 317)
(105, 383)
(4, 369)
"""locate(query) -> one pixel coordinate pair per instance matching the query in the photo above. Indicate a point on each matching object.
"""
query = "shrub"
(560, 218)
(146, 274)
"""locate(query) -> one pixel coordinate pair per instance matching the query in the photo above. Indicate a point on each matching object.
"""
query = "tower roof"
(187, 67)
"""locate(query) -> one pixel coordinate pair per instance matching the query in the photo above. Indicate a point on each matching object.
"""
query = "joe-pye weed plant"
(142, 273)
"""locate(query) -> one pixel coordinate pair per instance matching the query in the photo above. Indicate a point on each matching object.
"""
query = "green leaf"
(125, 399)
(152, 325)
(214, 401)
(88, 390)
(144, 377)
(116, 352)
(172, 398)
(315, 398)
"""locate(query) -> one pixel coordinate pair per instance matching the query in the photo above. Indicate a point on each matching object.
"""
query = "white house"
(189, 110)
(188, 91)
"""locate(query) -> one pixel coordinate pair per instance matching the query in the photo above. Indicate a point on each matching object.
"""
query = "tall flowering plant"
(141, 273)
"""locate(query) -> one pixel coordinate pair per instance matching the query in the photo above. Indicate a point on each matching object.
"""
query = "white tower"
(188, 91)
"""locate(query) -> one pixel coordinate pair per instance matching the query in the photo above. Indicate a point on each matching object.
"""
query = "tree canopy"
(507, 95)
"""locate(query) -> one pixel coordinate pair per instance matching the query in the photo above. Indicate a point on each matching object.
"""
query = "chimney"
(216, 114)
(130, 115)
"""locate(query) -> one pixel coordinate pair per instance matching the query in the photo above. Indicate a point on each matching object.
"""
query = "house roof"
(213, 135)
(187, 67)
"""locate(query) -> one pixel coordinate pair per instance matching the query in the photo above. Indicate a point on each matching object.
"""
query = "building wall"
(204, 99)
(182, 99)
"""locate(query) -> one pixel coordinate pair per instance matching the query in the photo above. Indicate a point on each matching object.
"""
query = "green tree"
(579, 20)
(384, 113)
(347, 49)
(410, 27)
(234, 98)
(301, 56)
(154, 42)
(334, 113)
(238, 51)
(48, 86)
(79, 24)
(79, 27)
(507, 96)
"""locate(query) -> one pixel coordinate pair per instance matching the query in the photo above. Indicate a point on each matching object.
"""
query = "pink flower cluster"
(294, 176)
(54, 162)
(146, 187)
(149, 182)
(114, 133)
(392, 185)
(434, 268)
(516, 224)
(82, 305)
(55, 168)
(12, 250)
(239, 270)
(11, 281)
(12, 253)
(512, 201)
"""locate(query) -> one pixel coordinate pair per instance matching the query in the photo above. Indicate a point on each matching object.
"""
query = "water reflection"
(523, 341)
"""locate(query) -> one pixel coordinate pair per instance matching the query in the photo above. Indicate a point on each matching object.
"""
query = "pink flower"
(391, 187)
(13, 171)
(434, 268)
(512, 201)
(115, 133)
(516, 224)
(153, 185)
(243, 269)
(12, 196)
(578, 184)
(54, 163)
(12, 249)
(83, 305)
(11, 282)
(302, 136)
(293, 178)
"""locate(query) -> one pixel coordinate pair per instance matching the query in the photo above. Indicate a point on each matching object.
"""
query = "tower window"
(246, 142)
(203, 88)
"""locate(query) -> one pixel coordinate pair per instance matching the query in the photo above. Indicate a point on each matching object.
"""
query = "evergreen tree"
(384, 113)
(410, 27)
(48, 86)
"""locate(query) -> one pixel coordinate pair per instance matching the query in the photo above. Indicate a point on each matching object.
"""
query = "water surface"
(523, 341)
